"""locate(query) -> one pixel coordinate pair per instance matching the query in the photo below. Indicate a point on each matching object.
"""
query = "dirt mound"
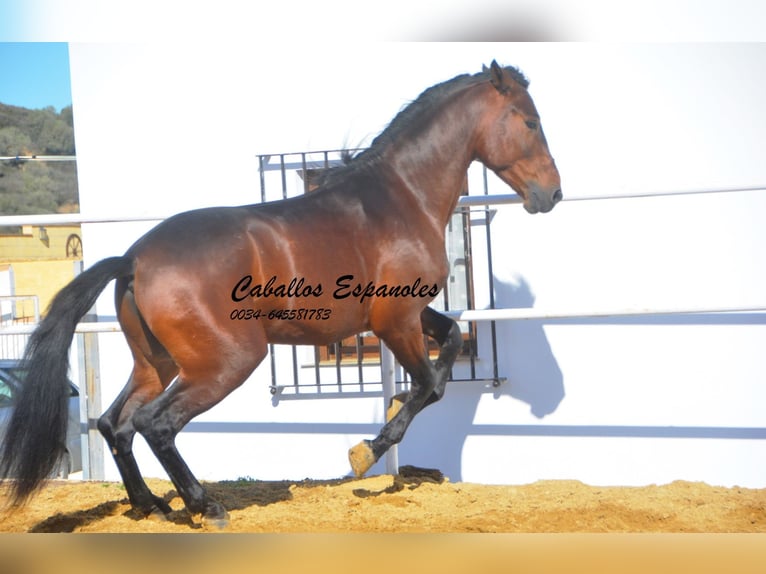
(416, 500)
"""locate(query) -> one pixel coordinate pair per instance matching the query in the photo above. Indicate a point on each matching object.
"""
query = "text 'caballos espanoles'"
(345, 287)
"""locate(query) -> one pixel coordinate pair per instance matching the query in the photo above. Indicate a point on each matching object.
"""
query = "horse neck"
(433, 162)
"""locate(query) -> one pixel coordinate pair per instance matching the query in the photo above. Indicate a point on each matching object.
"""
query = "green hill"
(31, 187)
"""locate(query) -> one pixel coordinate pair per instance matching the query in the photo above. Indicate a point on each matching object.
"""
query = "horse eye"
(532, 125)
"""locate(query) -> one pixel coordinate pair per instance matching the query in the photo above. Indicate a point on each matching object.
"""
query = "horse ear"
(499, 78)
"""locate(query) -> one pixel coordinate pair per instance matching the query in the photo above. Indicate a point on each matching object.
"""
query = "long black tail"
(36, 436)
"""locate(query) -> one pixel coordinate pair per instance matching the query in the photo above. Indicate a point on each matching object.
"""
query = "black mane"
(414, 114)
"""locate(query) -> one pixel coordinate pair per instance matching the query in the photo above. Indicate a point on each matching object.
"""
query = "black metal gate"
(351, 367)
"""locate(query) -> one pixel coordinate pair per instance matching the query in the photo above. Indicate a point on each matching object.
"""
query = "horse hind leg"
(117, 428)
(163, 418)
(153, 370)
(201, 384)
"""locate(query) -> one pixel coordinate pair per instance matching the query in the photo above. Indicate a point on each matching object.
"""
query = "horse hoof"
(219, 522)
(361, 458)
(157, 515)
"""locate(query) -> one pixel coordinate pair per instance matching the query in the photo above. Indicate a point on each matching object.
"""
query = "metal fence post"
(388, 376)
(90, 394)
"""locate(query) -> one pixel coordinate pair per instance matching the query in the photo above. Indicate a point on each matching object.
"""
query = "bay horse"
(201, 295)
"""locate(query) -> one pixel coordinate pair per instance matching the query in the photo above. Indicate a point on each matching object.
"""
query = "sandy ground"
(417, 501)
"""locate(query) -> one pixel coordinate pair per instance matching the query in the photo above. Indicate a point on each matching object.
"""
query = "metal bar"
(338, 363)
(291, 166)
(387, 373)
(359, 359)
(268, 166)
(93, 393)
(304, 169)
(511, 198)
(283, 174)
(515, 314)
(281, 389)
(262, 178)
(38, 158)
(542, 313)
(92, 327)
(290, 393)
(642, 194)
(74, 219)
(17, 301)
(463, 202)
(294, 350)
(84, 408)
(491, 277)
(468, 249)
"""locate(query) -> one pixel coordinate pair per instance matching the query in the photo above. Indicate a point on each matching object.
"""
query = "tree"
(14, 142)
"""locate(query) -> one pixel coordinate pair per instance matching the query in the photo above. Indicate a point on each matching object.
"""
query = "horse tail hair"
(36, 436)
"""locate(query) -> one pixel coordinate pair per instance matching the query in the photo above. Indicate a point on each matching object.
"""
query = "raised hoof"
(361, 458)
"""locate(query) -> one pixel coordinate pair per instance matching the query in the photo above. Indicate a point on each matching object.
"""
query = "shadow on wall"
(438, 434)
(524, 355)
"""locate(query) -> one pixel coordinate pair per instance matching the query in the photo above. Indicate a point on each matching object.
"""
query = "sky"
(35, 75)
(400, 20)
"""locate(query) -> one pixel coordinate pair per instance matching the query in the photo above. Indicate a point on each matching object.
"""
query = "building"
(35, 262)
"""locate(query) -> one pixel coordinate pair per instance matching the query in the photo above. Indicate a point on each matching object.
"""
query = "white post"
(388, 376)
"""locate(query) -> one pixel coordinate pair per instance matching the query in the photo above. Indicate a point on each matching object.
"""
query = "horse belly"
(311, 325)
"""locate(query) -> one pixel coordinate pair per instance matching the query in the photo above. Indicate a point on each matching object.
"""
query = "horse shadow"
(233, 494)
(524, 358)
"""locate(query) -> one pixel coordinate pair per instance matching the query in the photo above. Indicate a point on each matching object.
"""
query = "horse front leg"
(447, 334)
(409, 350)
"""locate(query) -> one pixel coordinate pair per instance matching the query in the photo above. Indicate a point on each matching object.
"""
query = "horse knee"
(120, 440)
(454, 340)
(106, 428)
(450, 348)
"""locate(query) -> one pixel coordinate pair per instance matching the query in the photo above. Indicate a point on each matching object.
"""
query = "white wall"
(595, 400)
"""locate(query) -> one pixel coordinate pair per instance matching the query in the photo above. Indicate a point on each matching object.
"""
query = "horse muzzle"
(542, 201)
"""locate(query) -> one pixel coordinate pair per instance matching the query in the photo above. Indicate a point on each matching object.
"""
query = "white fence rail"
(463, 202)
(12, 346)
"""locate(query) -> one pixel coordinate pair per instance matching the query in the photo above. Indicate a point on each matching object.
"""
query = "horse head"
(512, 143)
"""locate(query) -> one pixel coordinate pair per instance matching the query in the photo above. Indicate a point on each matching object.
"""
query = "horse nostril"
(557, 196)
